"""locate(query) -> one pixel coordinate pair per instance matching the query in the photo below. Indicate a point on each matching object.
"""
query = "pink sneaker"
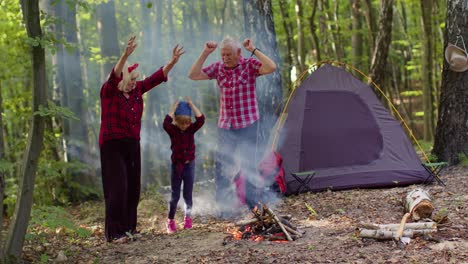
(187, 222)
(171, 226)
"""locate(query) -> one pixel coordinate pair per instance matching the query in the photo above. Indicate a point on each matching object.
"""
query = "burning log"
(266, 225)
(278, 221)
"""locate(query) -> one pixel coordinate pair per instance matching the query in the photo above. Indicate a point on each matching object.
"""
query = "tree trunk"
(18, 227)
(77, 141)
(107, 28)
(384, 37)
(290, 52)
(426, 69)
(259, 21)
(451, 138)
(356, 37)
(301, 50)
(2, 176)
(313, 32)
(371, 25)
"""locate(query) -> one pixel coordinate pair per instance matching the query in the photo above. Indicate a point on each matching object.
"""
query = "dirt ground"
(330, 237)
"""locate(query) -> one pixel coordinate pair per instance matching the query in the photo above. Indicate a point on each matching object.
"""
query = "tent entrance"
(338, 130)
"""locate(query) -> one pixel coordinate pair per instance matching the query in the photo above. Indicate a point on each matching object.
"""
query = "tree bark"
(451, 138)
(418, 204)
(356, 37)
(379, 58)
(76, 140)
(109, 43)
(259, 23)
(313, 32)
(2, 176)
(18, 227)
(291, 59)
(426, 69)
(371, 24)
(301, 50)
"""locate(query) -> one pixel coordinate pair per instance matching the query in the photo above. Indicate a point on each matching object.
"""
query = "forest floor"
(330, 236)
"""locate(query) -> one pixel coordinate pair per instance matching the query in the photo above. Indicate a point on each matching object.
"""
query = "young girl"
(183, 156)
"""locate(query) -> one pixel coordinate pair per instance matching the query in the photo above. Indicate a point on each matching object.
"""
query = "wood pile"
(265, 225)
(417, 206)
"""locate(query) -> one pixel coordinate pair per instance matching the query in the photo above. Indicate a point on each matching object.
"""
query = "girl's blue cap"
(183, 109)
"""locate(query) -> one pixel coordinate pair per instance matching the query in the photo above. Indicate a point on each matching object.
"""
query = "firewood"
(292, 231)
(418, 204)
(400, 229)
(384, 234)
(279, 222)
(394, 227)
(247, 222)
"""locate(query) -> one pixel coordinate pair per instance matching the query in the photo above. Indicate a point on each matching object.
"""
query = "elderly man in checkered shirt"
(238, 112)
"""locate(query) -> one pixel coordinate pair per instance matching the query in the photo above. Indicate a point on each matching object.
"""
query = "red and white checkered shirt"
(238, 100)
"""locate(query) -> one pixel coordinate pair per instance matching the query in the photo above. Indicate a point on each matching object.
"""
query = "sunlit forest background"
(83, 40)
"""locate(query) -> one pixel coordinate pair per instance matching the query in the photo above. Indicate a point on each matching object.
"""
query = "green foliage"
(463, 159)
(52, 218)
(55, 183)
(56, 111)
(411, 93)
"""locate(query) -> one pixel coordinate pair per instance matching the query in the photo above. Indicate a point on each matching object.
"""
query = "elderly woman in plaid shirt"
(238, 113)
(119, 140)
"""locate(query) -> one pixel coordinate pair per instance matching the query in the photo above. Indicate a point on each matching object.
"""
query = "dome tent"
(336, 126)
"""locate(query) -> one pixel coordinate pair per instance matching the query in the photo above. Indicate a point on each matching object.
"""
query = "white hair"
(230, 42)
(127, 76)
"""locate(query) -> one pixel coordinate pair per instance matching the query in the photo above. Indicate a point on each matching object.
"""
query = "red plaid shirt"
(121, 117)
(238, 100)
(182, 142)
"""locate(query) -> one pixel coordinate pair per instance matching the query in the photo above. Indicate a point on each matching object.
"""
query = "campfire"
(266, 225)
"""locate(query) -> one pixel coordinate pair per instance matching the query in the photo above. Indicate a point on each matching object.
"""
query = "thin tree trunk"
(18, 227)
(148, 136)
(2, 176)
(301, 50)
(427, 74)
(451, 138)
(313, 32)
(371, 25)
(356, 37)
(379, 58)
(107, 28)
(77, 140)
(288, 29)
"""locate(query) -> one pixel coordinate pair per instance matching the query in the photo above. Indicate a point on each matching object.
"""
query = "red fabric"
(121, 117)
(182, 142)
(239, 182)
(272, 166)
(131, 68)
(238, 106)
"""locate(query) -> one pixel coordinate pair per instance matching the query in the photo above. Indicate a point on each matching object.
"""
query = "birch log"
(418, 204)
(384, 234)
(394, 227)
